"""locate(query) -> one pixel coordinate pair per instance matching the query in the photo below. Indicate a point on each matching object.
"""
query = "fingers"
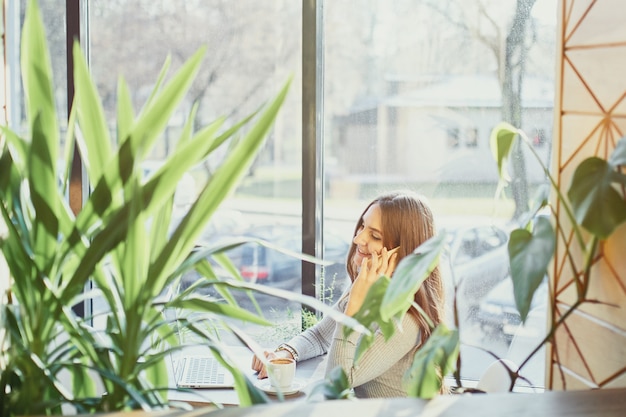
(258, 366)
(368, 272)
(364, 270)
(391, 266)
(383, 263)
(386, 261)
(376, 261)
(365, 266)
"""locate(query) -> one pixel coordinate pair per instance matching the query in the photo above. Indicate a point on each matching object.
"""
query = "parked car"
(475, 260)
(267, 265)
(498, 314)
(264, 265)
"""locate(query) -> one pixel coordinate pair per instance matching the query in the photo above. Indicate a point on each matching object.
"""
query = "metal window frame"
(312, 140)
(76, 13)
(312, 127)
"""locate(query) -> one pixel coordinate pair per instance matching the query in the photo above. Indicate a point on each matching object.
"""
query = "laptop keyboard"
(204, 370)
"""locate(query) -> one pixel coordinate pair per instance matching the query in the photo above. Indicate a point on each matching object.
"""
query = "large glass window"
(411, 90)
(53, 15)
(252, 49)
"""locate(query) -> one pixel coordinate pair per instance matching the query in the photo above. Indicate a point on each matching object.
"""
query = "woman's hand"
(257, 363)
(371, 269)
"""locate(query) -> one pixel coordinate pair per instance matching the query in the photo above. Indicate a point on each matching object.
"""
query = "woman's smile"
(359, 255)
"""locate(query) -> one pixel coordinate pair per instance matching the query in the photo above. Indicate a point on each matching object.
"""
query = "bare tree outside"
(133, 38)
(509, 40)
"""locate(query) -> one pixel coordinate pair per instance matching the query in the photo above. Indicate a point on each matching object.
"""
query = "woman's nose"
(358, 238)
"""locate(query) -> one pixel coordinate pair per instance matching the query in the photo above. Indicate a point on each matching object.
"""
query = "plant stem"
(553, 330)
(556, 188)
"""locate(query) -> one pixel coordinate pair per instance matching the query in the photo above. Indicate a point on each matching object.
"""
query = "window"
(539, 137)
(397, 99)
(453, 137)
(421, 97)
(471, 138)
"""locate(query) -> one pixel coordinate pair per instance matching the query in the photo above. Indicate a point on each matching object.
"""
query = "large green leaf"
(501, 141)
(219, 186)
(96, 154)
(9, 178)
(369, 315)
(597, 205)
(158, 377)
(207, 305)
(37, 76)
(134, 255)
(42, 121)
(153, 119)
(409, 276)
(312, 302)
(432, 362)
(154, 194)
(125, 113)
(335, 386)
(530, 254)
(42, 166)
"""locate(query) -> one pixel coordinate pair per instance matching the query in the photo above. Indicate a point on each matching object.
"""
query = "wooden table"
(601, 403)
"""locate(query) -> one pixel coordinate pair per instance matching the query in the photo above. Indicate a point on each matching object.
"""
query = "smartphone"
(389, 252)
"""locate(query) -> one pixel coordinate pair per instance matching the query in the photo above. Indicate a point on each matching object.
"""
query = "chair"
(496, 377)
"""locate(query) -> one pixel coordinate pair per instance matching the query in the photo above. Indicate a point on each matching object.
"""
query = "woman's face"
(369, 237)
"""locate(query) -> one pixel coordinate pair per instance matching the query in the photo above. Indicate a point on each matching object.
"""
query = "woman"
(390, 228)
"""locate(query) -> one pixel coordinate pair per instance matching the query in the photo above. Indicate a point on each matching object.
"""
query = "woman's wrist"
(284, 348)
(352, 308)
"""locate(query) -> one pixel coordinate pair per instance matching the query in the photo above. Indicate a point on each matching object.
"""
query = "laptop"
(202, 371)
(193, 370)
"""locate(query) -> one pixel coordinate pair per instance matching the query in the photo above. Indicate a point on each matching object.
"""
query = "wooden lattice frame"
(590, 116)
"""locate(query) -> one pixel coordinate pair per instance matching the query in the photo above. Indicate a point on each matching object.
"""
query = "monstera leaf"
(433, 361)
(598, 205)
(530, 253)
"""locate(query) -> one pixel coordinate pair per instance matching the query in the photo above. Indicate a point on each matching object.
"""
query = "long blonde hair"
(407, 221)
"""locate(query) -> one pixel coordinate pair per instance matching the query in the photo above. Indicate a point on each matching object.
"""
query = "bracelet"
(287, 348)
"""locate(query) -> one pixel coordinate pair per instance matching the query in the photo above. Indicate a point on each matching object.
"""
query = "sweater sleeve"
(316, 340)
(379, 357)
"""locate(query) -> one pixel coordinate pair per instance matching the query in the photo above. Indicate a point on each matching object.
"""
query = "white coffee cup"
(281, 372)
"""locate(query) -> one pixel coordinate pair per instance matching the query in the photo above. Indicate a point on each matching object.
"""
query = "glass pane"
(411, 95)
(252, 49)
(53, 15)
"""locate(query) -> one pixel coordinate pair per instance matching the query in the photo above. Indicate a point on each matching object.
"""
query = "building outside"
(438, 132)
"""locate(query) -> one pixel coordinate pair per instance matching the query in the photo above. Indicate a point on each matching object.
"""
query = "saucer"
(267, 387)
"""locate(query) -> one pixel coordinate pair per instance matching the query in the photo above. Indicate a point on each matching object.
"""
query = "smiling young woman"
(389, 228)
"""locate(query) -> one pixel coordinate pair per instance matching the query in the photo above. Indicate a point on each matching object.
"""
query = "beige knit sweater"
(379, 371)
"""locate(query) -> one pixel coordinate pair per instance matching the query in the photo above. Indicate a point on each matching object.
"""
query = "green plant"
(594, 205)
(119, 242)
(286, 324)
(335, 386)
